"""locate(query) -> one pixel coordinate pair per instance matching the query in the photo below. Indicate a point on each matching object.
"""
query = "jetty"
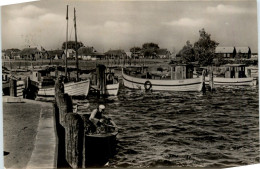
(30, 139)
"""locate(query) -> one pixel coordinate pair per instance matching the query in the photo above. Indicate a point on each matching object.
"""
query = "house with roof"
(233, 52)
(225, 52)
(30, 54)
(163, 53)
(71, 53)
(116, 54)
(11, 53)
(128, 54)
(55, 54)
(89, 53)
(243, 52)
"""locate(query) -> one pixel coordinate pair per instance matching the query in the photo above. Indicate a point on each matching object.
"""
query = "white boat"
(111, 81)
(249, 81)
(235, 75)
(112, 89)
(80, 88)
(187, 84)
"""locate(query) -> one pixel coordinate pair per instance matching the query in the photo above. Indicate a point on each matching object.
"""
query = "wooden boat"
(112, 89)
(80, 88)
(181, 80)
(234, 76)
(99, 147)
(111, 81)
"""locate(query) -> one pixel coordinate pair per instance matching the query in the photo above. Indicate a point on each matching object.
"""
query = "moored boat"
(234, 75)
(100, 144)
(181, 79)
(112, 89)
(100, 147)
(77, 88)
(80, 88)
(109, 79)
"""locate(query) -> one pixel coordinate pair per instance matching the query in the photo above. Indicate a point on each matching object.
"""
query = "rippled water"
(219, 129)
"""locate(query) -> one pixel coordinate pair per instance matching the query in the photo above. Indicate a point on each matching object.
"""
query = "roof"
(29, 51)
(224, 49)
(98, 54)
(118, 52)
(55, 52)
(242, 49)
(11, 51)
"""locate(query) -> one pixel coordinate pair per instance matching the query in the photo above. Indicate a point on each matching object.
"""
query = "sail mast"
(66, 45)
(76, 46)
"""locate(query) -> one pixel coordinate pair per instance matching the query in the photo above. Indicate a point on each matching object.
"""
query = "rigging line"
(61, 38)
(71, 32)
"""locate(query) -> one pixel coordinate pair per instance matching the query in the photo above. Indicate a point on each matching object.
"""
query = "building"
(233, 52)
(115, 54)
(71, 54)
(55, 54)
(225, 52)
(243, 52)
(31, 54)
(128, 54)
(11, 53)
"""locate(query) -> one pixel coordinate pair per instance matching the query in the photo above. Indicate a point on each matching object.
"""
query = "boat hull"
(221, 81)
(73, 89)
(112, 89)
(194, 84)
(99, 148)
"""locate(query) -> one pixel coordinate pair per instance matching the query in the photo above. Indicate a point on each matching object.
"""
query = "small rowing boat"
(80, 88)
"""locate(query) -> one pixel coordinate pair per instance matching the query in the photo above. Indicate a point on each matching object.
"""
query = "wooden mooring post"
(73, 129)
(101, 78)
(211, 79)
(13, 88)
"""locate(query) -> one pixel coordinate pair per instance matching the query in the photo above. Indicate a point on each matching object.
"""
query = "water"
(184, 129)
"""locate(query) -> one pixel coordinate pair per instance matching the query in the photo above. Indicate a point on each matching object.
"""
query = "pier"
(30, 139)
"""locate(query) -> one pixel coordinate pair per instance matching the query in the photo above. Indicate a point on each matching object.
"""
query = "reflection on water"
(184, 129)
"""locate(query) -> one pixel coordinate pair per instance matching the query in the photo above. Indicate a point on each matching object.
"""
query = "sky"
(123, 24)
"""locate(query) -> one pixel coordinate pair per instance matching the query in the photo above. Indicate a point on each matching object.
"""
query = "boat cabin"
(235, 71)
(40, 78)
(181, 71)
(37, 75)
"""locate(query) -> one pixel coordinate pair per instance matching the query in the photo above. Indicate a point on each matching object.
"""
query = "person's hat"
(102, 106)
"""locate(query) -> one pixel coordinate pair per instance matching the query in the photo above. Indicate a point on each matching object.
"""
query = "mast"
(76, 46)
(66, 45)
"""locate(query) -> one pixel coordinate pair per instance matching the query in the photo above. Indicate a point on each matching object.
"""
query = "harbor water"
(184, 129)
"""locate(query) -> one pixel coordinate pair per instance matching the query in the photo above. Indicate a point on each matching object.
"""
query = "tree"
(71, 45)
(204, 48)
(135, 49)
(149, 49)
(187, 53)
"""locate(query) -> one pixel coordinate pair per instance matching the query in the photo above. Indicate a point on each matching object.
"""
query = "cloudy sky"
(124, 24)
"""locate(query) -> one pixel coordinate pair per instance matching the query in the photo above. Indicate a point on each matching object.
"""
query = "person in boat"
(101, 123)
(96, 116)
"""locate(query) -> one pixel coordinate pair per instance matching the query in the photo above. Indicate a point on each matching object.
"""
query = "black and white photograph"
(130, 84)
